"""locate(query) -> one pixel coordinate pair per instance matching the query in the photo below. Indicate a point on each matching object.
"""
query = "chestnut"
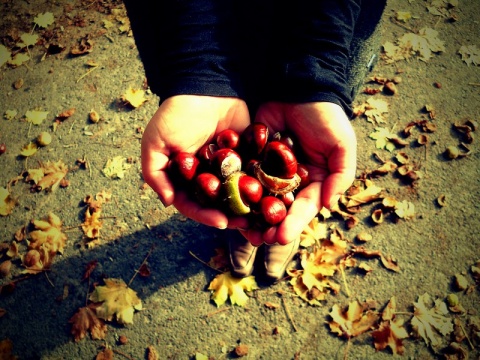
(205, 153)
(3, 148)
(273, 184)
(228, 138)
(279, 160)
(242, 191)
(253, 139)
(182, 166)
(272, 209)
(285, 138)
(225, 162)
(207, 189)
(287, 198)
(302, 172)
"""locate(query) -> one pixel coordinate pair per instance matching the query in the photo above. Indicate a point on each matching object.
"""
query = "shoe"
(277, 257)
(242, 254)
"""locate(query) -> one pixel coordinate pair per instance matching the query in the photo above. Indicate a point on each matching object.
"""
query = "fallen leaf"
(116, 167)
(48, 235)
(373, 109)
(403, 16)
(27, 40)
(84, 46)
(18, 59)
(89, 269)
(225, 286)
(44, 19)
(470, 54)
(134, 97)
(36, 117)
(385, 139)
(370, 193)
(85, 320)
(220, 261)
(5, 55)
(387, 261)
(430, 321)
(29, 149)
(65, 114)
(405, 209)
(6, 202)
(92, 224)
(105, 354)
(313, 233)
(49, 176)
(152, 353)
(117, 300)
(10, 114)
(352, 321)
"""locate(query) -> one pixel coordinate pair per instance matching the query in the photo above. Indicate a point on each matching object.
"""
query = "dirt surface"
(178, 318)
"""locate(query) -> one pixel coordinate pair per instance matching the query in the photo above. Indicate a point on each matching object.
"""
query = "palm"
(326, 137)
(185, 123)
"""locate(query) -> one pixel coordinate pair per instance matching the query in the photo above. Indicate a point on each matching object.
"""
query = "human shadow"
(38, 310)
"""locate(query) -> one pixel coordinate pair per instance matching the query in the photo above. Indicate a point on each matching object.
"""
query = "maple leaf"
(134, 97)
(92, 224)
(29, 149)
(48, 235)
(371, 192)
(470, 54)
(220, 260)
(18, 59)
(44, 19)
(373, 109)
(5, 55)
(353, 320)
(313, 232)
(36, 117)
(428, 323)
(85, 320)
(391, 331)
(10, 114)
(225, 286)
(27, 40)
(49, 176)
(117, 300)
(116, 167)
(6, 202)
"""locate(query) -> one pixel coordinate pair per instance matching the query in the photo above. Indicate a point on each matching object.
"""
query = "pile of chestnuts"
(249, 174)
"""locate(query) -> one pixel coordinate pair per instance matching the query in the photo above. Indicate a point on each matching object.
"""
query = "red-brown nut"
(253, 139)
(272, 209)
(225, 162)
(279, 160)
(207, 189)
(302, 172)
(183, 166)
(228, 138)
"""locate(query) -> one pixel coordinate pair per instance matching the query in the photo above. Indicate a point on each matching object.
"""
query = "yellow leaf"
(117, 300)
(44, 19)
(370, 193)
(134, 97)
(10, 114)
(48, 235)
(5, 55)
(226, 286)
(36, 117)
(27, 40)
(49, 175)
(92, 224)
(29, 149)
(470, 54)
(6, 202)
(313, 232)
(352, 321)
(403, 16)
(116, 167)
(18, 59)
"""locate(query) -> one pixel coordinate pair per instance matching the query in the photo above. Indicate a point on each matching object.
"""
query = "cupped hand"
(185, 123)
(327, 139)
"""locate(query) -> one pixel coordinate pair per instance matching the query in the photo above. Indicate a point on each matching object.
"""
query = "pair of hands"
(186, 122)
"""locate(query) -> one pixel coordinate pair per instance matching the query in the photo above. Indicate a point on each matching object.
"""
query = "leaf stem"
(138, 270)
(203, 262)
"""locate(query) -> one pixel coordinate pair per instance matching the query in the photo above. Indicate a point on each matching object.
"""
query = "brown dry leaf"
(48, 235)
(92, 224)
(117, 300)
(64, 115)
(390, 334)
(105, 354)
(387, 261)
(85, 320)
(352, 321)
(313, 233)
(225, 286)
(6, 348)
(220, 260)
(152, 353)
(470, 54)
(430, 320)
(405, 209)
(369, 193)
(84, 46)
(134, 97)
(89, 269)
(6, 202)
(49, 176)
(373, 109)
(386, 140)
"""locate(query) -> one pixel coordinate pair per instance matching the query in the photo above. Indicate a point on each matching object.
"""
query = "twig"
(474, 84)
(48, 279)
(289, 315)
(138, 270)
(87, 73)
(203, 262)
(466, 335)
(218, 311)
(347, 290)
(123, 354)
(71, 127)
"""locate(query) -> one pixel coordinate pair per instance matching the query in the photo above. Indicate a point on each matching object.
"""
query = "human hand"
(185, 123)
(327, 139)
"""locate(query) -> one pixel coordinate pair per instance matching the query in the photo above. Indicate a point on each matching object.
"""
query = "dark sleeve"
(184, 46)
(311, 52)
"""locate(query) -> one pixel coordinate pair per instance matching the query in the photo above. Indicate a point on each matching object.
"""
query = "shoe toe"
(242, 255)
(277, 258)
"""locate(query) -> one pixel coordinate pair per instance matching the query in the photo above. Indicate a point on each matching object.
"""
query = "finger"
(305, 207)
(154, 166)
(192, 210)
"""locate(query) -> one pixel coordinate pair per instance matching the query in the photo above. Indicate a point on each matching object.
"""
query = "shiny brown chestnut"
(302, 172)
(228, 138)
(207, 189)
(183, 166)
(272, 209)
(279, 160)
(253, 139)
